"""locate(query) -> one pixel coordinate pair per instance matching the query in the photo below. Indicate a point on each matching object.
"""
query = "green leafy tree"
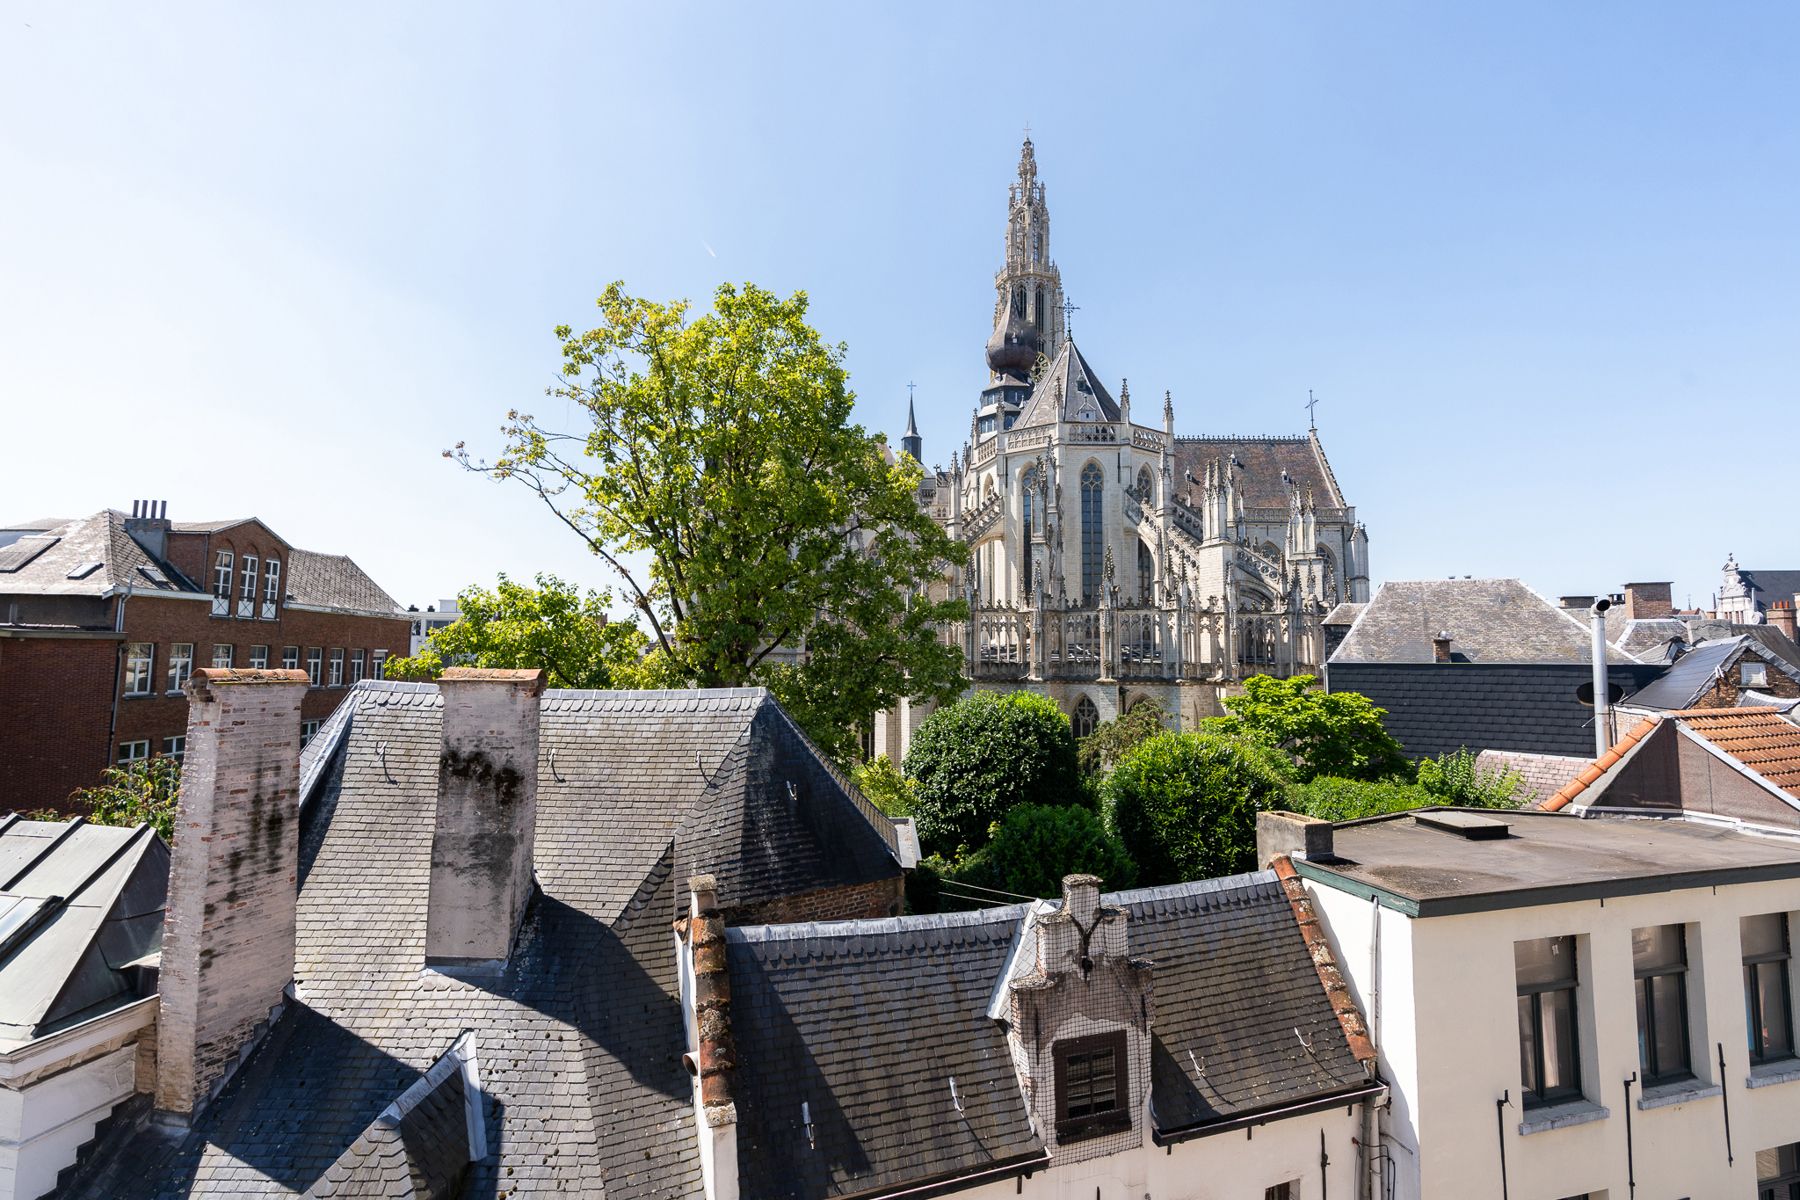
(1458, 778)
(1100, 750)
(1035, 845)
(146, 791)
(1331, 798)
(881, 781)
(763, 537)
(1326, 733)
(1185, 804)
(553, 626)
(974, 760)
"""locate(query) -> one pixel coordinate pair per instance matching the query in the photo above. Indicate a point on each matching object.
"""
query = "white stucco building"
(1566, 1005)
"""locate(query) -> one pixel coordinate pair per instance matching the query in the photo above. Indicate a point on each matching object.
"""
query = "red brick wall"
(879, 898)
(55, 698)
(74, 711)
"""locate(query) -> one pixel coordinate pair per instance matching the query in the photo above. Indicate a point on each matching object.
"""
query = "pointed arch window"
(1038, 316)
(1146, 565)
(1086, 718)
(1032, 511)
(1093, 533)
(1144, 485)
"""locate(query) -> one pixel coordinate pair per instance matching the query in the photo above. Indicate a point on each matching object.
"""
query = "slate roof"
(92, 556)
(418, 1147)
(1775, 585)
(1648, 638)
(1435, 708)
(1489, 621)
(1761, 739)
(1067, 389)
(1261, 463)
(867, 1022)
(78, 903)
(1346, 613)
(581, 1037)
(335, 583)
(1695, 673)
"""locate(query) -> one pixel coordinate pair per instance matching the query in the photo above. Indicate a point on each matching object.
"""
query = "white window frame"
(181, 666)
(223, 575)
(246, 605)
(335, 667)
(175, 747)
(1753, 674)
(378, 667)
(356, 666)
(290, 658)
(223, 660)
(135, 751)
(259, 658)
(140, 669)
(271, 588)
(315, 665)
(308, 731)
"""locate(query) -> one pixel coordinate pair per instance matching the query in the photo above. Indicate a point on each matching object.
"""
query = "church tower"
(1028, 302)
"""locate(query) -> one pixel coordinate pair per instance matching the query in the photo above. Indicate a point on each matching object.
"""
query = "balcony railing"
(221, 606)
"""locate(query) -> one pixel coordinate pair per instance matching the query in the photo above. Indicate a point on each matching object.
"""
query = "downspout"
(112, 727)
(1368, 1186)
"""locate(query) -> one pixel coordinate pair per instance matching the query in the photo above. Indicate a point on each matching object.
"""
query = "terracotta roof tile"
(1760, 738)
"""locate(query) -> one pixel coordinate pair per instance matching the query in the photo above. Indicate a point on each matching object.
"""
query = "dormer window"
(1753, 674)
(1092, 1083)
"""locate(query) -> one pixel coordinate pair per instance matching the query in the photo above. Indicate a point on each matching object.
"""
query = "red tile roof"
(1600, 766)
(1764, 741)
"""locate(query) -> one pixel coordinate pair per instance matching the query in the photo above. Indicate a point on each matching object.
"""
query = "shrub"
(1333, 798)
(881, 781)
(974, 760)
(145, 791)
(1101, 750)
(1037, 844)
(1184, 805)
(1459, 779)
(1326, 733)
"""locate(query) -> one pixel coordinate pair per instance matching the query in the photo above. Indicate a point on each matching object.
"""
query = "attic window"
(1092, 1081)
(1753, 674)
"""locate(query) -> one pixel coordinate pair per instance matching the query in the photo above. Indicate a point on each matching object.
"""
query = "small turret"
(910, 441)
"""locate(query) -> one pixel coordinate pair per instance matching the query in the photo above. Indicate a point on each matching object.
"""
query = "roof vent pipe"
(1602, 702)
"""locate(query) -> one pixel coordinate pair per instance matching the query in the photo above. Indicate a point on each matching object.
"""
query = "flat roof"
(1425, 870)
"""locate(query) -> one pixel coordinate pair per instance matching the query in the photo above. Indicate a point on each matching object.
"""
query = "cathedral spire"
(1028, 299)
(910, 441)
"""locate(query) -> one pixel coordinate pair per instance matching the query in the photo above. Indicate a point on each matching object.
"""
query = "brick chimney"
(1440, 647)
(1781, 616)
(149, 526)
(707, 996)
(228, 930)
(1647, 601)
(481, 844)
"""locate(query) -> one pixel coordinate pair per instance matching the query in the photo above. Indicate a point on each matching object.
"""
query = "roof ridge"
(1592, 773)
(872, 926)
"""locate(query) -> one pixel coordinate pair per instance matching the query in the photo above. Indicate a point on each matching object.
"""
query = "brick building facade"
(120, 610)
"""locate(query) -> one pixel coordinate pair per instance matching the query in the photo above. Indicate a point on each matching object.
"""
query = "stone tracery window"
(1086, 718)
(1032, 511)
(1093, 533)
(1146, 567)
(1144, 485)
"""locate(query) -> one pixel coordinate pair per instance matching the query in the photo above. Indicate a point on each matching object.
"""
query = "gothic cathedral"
(1111, 561)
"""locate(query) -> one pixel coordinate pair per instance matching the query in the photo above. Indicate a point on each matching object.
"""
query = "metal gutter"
(945, 1184)
(1262, 1116)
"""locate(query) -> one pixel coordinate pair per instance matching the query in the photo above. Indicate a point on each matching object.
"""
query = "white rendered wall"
(1461, 1038)
(43, 1124)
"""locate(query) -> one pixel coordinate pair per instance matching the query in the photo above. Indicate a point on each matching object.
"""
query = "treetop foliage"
(146, 791)
(1325, 733)
(1185, 804)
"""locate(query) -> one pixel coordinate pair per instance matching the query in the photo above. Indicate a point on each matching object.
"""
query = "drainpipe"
(1602, 709)
(112, 728)
(1370, 1182)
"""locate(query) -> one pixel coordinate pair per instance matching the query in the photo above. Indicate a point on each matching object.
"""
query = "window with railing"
(221, 604)
(271, 588)
(246, 607)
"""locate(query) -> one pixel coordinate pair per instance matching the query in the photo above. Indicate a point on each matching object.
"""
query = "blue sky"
(1540, 262)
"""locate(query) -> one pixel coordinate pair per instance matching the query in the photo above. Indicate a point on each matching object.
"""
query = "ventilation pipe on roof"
(1602, 702)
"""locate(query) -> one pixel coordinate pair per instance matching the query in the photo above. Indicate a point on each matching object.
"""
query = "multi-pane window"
(1091, 1086)
(290, 658)
(1093, 534)
(222, 582)
(314, 660)
(1549, 1051)
(247, 592)
(175, 747)
(140, 657)
(133, 752)
(1768, 1000)
(1086, 718)
(1146, 573)
(1778, 1173)
(380, 666)
(222, 653)
(1659, 962)
(271, 588)
(307, 730)
(337, 668)
(181, 664)
(259, 657)
(356, 666)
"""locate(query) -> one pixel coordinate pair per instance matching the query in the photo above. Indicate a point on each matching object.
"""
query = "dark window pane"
(1658, 948)
(1545, 961)
(1765, 935)
(1772, 1035)
(1669, 1038)
(1561, 1074)
(1528, 1051)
